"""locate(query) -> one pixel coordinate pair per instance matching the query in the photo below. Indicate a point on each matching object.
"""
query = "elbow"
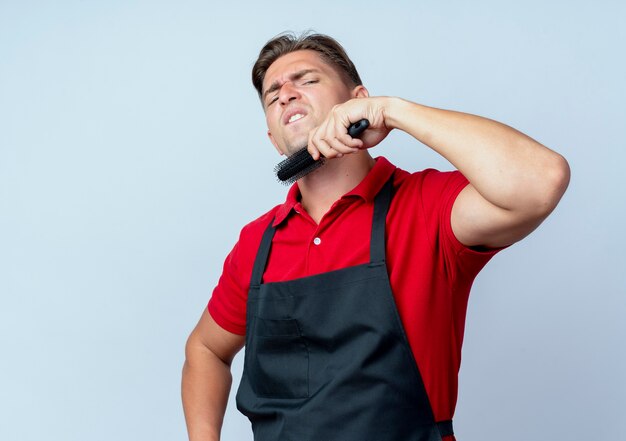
(555, 180)
(564, 174)
(193, 348)
(189, 348)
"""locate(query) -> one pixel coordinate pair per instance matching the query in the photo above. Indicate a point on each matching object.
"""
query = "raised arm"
(206, 377)
(515, 182)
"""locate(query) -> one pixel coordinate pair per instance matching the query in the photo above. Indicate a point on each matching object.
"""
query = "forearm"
(206, 384)
(508, 169)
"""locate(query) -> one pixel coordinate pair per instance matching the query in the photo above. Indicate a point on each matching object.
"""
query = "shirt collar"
(367, 189)
(293, 197)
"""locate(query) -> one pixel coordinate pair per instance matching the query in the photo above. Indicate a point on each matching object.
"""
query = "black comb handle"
(355, 130)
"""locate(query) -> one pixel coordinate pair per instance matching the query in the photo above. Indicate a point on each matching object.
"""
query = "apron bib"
(326, 356)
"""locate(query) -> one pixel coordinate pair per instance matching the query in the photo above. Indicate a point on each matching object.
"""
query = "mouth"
(293, 115)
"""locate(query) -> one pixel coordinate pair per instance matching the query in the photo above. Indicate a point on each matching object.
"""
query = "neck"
(321, 188)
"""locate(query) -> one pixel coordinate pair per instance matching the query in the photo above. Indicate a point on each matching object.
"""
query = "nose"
(288, 92)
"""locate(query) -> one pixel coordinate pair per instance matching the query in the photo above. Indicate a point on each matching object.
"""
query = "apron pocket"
(279, 359)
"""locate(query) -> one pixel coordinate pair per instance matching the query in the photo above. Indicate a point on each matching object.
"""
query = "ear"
(360, 92)
(269, 135)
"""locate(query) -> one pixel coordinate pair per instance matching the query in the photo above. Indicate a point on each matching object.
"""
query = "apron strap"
(377, 240)
(381, 207)
(445, 428)
(261, 256)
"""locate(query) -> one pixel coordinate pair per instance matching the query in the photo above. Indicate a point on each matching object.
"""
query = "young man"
(351, 296)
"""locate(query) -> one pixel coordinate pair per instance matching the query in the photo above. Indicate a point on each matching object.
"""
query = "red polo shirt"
(430, 271)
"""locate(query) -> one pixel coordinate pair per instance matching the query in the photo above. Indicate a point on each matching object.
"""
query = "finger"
(334, 135)
(317, 145)
(325, 149)
(341, 134)
(312, 145)
(339, 146)
(316, 136)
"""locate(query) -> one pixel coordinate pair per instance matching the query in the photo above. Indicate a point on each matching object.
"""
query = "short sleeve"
(228, 302)
(439, 192)
(227, 305)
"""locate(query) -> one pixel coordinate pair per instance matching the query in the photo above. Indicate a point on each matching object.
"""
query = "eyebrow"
(293, 77)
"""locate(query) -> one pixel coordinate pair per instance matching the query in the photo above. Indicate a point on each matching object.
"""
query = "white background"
(133, 149)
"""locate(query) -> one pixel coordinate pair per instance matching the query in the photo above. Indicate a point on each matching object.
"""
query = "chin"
(292, 148)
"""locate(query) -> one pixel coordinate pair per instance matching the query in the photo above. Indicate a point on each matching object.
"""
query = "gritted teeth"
(295, 117)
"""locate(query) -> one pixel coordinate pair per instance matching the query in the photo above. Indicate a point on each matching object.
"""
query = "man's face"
(299, 89)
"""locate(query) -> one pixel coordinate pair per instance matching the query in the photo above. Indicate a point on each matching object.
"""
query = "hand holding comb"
(302, 163)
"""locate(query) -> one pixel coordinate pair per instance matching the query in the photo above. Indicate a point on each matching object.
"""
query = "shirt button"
(317, 241)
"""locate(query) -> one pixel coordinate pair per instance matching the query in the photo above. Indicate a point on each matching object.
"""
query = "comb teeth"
(296, 166)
